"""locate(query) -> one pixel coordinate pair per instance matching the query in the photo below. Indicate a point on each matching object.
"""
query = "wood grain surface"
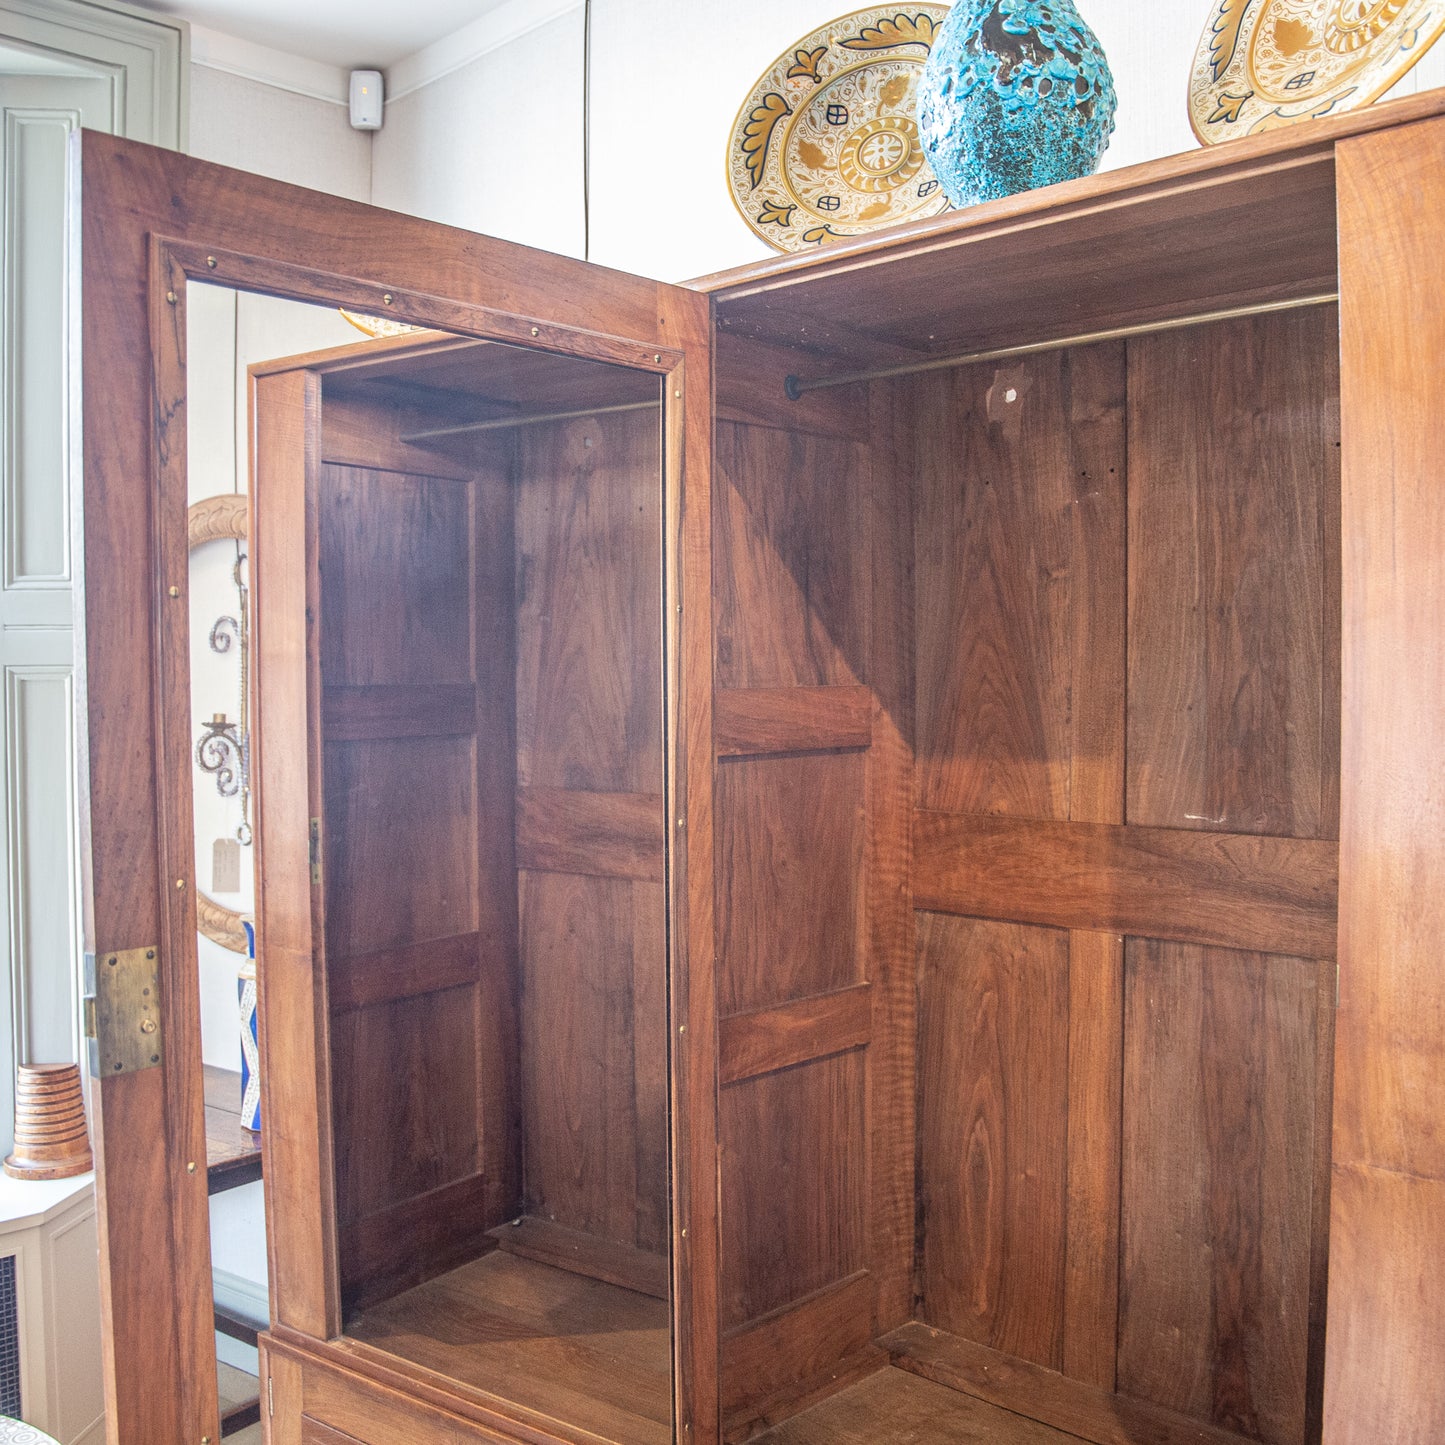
(1218, 1184)
(1274, 894)
(591, 830)
(788, 576)
(572, 1348)
(776, 1038)
(1007, 573)
(610, 835)
(1079, 1410)
(755, 721)
(795, 1216)
(1387, 1220)
(993, 1033)
(589, 602)
(1234, 435)
(899, 1405)
(790, 842)
(594, 1086)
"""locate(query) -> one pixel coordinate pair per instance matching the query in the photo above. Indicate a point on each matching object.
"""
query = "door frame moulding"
(145, 55)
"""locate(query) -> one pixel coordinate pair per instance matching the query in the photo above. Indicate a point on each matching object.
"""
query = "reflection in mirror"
(490, 828)
(225, 332)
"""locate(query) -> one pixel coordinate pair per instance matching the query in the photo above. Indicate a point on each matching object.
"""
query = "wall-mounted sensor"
(366, 99)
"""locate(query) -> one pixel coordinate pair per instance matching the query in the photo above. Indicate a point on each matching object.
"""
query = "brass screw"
(387, 298)
(536, 331)
(171, 297)
(677, 393)
(180, 883)
(147, 1026)
(191, 1167)
(682, 1028)
(211, 262)
(175, 591)
(658, 357)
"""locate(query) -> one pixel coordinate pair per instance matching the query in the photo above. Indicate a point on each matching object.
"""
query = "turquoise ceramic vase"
(1016, 94)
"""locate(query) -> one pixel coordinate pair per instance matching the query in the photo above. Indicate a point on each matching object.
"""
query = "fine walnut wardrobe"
(850, 852)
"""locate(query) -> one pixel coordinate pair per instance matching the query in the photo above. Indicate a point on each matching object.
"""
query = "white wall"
(495, 145)
(260, 110)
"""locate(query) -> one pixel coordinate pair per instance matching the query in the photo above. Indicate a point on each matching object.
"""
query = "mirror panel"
(490, 820)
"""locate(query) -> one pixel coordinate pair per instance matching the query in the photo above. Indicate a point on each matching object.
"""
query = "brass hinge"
(123, 1011)
(316, 852)
(270, 1397)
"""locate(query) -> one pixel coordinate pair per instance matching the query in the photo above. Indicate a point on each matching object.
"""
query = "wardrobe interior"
(1027, 809)
(486, 655)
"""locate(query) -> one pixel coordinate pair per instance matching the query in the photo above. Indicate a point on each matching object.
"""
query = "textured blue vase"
(1016, 94)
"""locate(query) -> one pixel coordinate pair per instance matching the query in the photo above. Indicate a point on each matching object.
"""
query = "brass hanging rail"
(797, 387)
(502, 423)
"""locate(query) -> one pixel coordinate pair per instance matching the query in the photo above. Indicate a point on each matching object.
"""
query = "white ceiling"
(346, 33)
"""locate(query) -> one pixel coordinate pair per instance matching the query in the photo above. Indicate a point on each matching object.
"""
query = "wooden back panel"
(421, 926)
(591, 833)
(1128, 689)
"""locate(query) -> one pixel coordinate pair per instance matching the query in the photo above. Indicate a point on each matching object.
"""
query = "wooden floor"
(902, 1409)
(582, 1352)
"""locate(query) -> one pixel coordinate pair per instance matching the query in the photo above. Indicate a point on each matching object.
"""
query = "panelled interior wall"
(1028, 809)
(490, 663)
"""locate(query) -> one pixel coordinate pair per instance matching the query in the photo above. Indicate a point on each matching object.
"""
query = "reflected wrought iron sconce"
(223, 750)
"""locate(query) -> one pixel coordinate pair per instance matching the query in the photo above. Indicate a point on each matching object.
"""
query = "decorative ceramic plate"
(826, 144)
(378, 326)
(1262, 64)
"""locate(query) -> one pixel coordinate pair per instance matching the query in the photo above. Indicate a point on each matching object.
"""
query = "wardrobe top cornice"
(1308, 143)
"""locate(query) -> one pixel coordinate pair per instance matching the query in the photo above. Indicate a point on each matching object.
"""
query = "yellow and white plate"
(826, 144)
(1262, 64)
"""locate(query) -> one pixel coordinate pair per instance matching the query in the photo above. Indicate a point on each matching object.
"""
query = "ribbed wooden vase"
(50, 1137)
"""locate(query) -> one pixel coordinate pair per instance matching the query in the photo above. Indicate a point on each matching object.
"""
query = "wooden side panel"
(417, 852)
(794, 1154)
(1010, 457)
(300, 1184)
(993, 1054)
(813, 583)
(1218, 1184)
(1233, 553)
(591, 830)
(789, 577)
(1386, 1292)
(790, 845)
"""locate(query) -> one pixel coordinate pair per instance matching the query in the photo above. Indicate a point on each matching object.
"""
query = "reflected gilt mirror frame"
(309, 1301)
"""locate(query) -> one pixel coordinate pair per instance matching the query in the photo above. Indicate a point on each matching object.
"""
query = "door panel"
(151, 220)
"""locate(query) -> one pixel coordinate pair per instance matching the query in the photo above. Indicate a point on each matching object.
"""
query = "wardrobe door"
(152, 224)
